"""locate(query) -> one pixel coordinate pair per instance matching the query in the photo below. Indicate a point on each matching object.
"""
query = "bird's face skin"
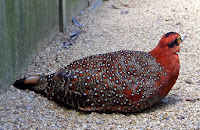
(170, 42)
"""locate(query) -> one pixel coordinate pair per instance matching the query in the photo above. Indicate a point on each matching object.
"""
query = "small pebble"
(100, 122)
(180, 117)
(192, 100)
(198, 82)
(114, 7)
(166, 118)
(125, 5)
(28, 108)
(160, 117)
(82, 12)
(124, 12)
(188, 81)
(66, 44)
(7, 108)
(100, 34)
(85, 126)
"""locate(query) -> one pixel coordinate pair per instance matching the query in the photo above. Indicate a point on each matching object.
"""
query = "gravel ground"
(106, 30)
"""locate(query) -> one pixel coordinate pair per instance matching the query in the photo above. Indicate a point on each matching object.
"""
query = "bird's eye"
(178, 39)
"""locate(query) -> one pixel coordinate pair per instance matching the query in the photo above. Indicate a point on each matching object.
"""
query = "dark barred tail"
(54, 87)
(27, 83)
(42, 83)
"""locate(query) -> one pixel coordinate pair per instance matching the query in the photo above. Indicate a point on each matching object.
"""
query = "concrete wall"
(24, 26)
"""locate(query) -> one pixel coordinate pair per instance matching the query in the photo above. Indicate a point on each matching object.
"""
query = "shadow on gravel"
(167, 101)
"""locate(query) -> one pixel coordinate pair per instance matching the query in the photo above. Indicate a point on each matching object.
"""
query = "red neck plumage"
(170, 62)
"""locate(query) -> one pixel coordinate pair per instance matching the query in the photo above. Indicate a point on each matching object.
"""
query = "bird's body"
(123, 81)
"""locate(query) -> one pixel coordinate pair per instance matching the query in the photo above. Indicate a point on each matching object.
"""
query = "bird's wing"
(105, 78)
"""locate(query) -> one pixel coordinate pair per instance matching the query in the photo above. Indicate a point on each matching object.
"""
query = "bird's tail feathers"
(40, 82)
(27, 82)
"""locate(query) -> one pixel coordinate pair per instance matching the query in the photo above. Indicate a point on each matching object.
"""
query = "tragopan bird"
(122, 81)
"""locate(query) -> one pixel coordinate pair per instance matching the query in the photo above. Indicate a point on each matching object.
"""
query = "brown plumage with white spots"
(122, 81)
